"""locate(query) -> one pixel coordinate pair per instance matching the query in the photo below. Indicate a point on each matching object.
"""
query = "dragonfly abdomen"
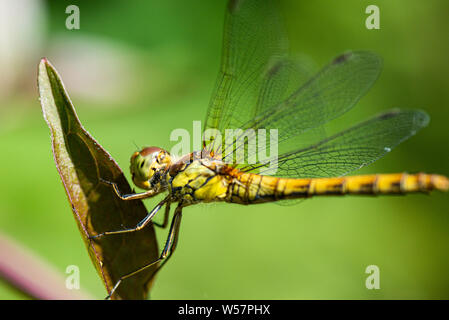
(378, 184)
(253, 188)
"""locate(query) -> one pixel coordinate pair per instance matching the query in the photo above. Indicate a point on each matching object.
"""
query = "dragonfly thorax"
(149, 167)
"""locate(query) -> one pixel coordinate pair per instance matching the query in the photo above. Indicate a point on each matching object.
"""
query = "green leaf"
(81, 161)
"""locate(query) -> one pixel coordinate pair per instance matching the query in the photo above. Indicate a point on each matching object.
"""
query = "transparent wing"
(252, 36)
(297, 120)
(260, 88)
(350, 149)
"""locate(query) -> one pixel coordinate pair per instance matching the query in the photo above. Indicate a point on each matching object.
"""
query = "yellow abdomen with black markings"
(208, 180)
(252, 188)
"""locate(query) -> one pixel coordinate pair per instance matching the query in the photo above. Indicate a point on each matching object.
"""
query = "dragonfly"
(259, 86)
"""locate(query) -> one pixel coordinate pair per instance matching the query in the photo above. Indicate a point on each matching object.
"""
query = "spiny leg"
(173, 246)
(170, 245)
(166, 216)
(139, 226)
(172, 240)
(132, 196)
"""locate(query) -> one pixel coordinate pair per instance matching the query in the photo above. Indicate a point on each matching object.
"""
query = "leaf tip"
(44, 61)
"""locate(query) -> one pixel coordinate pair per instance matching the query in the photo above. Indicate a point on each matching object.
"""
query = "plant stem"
(34, 277)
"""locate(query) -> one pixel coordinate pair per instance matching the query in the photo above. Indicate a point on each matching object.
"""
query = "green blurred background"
(137, 70)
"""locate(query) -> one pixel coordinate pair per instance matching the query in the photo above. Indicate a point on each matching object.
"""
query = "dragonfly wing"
(281, 78)
(330, 93)
(350, 149)
(253, 36)
(260, 87)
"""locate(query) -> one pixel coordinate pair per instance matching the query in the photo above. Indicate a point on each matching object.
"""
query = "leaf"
(81, 161)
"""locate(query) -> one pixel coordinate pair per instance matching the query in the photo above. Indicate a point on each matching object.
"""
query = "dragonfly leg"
(139, 226)
(166, 215)
(175, 242)
(169, 248)
(132, 196)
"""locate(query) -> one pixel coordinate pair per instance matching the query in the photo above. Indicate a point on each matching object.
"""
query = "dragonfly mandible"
(260, 87)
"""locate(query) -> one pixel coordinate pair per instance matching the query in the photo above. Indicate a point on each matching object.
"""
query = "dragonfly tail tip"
(441, 183)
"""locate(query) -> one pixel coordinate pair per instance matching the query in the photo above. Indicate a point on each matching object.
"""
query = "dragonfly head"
(149, 166)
